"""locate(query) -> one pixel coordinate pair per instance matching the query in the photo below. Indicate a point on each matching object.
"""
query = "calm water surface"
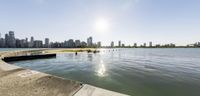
(137, 72)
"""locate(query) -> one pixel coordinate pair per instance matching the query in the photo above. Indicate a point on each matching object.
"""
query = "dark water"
(137, 72)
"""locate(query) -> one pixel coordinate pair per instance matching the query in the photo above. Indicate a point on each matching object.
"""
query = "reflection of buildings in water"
(69, 55)
(119, 54)
(111, 55)
(90, 57)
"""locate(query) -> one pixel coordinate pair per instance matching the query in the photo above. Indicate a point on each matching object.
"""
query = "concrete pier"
(28, 57)
(17, 81)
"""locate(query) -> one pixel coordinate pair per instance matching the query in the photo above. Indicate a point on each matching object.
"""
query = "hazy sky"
(159, 21)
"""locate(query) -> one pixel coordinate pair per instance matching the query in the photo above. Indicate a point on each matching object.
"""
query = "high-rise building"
(83, 44)
(18, 45)
(26, 39)
(99, 44)
(150, 44)
(119, 44)
(38, 44)
(112, 44)
(31, 43)
(26, 43)
(2, 43)
(11, 40)
(123, 45)
(21, 43)
(32, 39)
(135, 44)
(46, 42)
(144, 45)
(71, 43)
(6, 40)
(65, 44)
(77, 43)
(89, 42)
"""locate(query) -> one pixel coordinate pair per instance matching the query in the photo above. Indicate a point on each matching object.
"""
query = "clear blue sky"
(160, 21)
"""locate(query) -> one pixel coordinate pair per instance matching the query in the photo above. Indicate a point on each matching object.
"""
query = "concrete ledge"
(25, 82)
(88, 90)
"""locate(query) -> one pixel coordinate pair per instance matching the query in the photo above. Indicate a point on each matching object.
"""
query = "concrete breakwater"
(28, 57)
(17, 81)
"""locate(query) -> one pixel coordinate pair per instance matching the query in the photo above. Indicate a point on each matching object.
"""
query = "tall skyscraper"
(83, 44)
(89, 41)
(150, 44)
(32, 39)
(112, 44)
(71, 43)
(77, 43)
(31, 43)
(135, 44)
(46, 42)
(11, 40)
(144, 45)
(38, 44)
(6, 40)
(119, 44)
(2, 42)
(99, 44)
(123, 45)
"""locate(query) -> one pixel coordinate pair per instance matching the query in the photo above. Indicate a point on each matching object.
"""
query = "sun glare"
(101, 25)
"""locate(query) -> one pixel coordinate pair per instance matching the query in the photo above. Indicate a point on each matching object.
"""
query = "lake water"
(137, 72)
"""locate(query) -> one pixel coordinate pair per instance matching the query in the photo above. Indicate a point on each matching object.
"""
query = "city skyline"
(159, 21)
(10, 41)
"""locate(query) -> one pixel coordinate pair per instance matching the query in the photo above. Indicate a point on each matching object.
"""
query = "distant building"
(119, 43)
(56, 45)
(65, 44)
(46, 44)
(83, 44)
(21, 43)
(11, 39)
(38, 44)
(77, 43)
(31, 43)
(99, 44)
(158, 45)
(2, 43)
(71, 43)
(135, 45)
(197, 44)
(150, 44)
(144, 45)
(26, 44)
(172, 45)
(112, 44)
(123, 45)
(89, 42)
(6, 40)
(18, 45)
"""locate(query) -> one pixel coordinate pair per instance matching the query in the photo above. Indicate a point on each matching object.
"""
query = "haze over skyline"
(159, 21)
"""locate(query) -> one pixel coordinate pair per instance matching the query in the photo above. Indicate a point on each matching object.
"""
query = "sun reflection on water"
(101, 69)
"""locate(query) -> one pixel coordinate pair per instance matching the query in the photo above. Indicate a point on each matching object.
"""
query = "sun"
(101, 25)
